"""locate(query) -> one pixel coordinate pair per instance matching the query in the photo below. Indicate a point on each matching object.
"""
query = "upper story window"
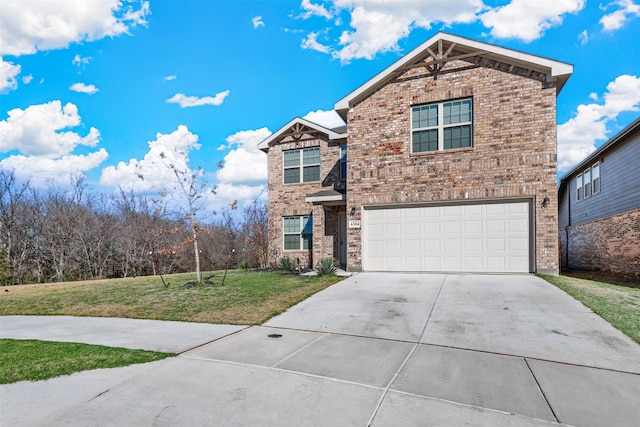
(588, 182)
(302, 165)
(343, 162)
(442, 126)
(297, 232)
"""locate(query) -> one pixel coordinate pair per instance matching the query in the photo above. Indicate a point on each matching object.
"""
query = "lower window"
(298, 231)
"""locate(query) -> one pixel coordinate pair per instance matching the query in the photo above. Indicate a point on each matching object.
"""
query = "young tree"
(189, 190)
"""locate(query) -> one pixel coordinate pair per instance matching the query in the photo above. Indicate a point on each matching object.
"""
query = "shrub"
(327, 267)
(285, 264)
(244, 265)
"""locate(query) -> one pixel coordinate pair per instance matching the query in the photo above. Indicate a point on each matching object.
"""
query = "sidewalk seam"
(415, 347)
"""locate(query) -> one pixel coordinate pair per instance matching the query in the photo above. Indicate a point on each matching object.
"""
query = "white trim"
(557, 71)
(266, 143)
(320, 199)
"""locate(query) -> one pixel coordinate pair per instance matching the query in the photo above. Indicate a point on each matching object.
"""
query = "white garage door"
(455, 238)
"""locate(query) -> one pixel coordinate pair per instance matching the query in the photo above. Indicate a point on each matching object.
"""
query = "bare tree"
(256, 237)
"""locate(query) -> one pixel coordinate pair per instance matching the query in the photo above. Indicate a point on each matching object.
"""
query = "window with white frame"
(588, 182)
(579, 187)
(595, 177)
(343, 161)
(442, 126)
(302, 165)
(298, 232)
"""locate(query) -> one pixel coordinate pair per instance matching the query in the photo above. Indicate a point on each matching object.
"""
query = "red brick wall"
(513, 153)
(289, 199)
(611, 244)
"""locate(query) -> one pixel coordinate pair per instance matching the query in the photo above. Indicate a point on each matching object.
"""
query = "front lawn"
(31, 360)
(247, 298)
(619, 305)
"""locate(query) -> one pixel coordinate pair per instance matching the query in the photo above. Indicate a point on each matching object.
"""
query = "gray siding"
(620, 186)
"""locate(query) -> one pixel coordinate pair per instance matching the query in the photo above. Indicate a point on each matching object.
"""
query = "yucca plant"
(285, 264)
(244, 265)
(327, 267)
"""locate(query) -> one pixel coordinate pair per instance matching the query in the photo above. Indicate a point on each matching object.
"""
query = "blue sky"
(102, 87)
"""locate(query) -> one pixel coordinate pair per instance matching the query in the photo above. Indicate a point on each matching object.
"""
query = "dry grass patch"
(247, 298)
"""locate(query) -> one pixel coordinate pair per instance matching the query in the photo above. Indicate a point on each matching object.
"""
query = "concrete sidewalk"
(374, 349)
(155, 335)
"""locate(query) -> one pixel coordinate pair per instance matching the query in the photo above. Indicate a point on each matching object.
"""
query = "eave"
(298, 127)
(438, 50)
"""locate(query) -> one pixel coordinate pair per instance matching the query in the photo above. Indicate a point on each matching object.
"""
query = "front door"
(342, 239)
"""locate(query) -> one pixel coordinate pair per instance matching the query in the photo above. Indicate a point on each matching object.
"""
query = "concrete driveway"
(375, 349)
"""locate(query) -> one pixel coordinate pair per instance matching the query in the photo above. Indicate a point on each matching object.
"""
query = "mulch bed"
(630, 280)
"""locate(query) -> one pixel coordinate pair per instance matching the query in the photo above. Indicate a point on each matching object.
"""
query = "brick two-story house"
(447, 164)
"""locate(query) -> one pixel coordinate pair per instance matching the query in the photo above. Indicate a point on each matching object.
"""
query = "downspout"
(566, 229)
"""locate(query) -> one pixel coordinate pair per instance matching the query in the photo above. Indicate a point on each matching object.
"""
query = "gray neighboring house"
(599, 207)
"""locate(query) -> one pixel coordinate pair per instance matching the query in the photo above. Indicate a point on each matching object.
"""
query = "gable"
(435, 56)
(300, 129)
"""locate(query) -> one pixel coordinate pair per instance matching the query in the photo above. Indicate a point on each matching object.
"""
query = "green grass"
(31, 360)
(247, 298)
(618, 305)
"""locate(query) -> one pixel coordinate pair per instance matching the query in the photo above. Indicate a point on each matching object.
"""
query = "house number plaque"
(354, 223)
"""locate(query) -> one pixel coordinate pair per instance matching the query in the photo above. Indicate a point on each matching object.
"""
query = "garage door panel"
(432, 245)
(519, 244)
(472, 210)
(452, 263)
(451, 227)
(392, 229)
(475, 238)
(472, 245)
(494, 226)
(496, 244)
(432, 264)
(495, 209)
(519, 263)
(474, 263)
(452, 245)
(413, 245)
(374, 229)
(472, 227)
(517, 225)
(496, 264)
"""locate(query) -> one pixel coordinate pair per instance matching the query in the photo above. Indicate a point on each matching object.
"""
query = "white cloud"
(328, 119)
(193, 101)
(616, 19)
(153, 173)
(583, 37)
(41, 170)
(39, 130)
(170, 78)
(577, 136)
(27, 26)
(257, 22)
(378, 25)
(528, 20)
(245, 164)
(84, 88)
(79, 60)
(27, 79)
(8, 73)
(242, 193)
(314, 10)
(44, 145)
(311, 42)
